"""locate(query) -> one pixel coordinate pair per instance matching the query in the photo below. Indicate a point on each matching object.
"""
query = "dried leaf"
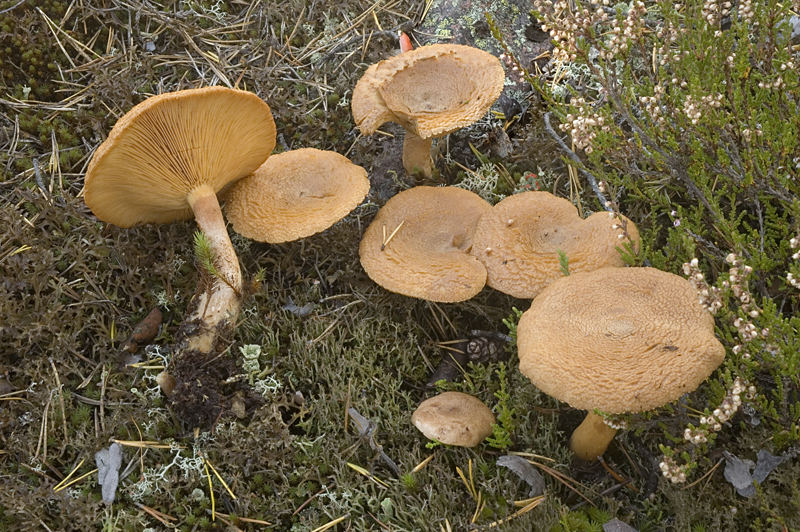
(737, 471)
(108, 463)
(524, 470)
(615, 525)
(300, 312)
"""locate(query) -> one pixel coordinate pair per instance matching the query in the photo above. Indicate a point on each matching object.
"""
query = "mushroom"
(166, 159)
(418, 245)
(618, 340)
(454, 418)
(431, 91)
(519, 241)
(295, 194)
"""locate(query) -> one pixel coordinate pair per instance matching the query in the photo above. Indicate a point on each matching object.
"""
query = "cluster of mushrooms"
(608, 337)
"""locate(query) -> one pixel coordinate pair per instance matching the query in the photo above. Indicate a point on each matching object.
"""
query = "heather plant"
(687, 115)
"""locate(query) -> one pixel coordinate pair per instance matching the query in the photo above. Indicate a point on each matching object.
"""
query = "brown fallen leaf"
(145, 331)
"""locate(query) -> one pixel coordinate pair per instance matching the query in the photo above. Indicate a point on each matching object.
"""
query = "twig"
(572, 155)
(6, 10)
(61, 401)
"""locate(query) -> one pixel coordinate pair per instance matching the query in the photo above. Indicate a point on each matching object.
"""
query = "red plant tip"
(405, 43)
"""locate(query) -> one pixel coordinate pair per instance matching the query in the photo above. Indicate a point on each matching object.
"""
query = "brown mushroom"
(295, 194)
(431, 91)
(519, 241)
(619, 340)
(418, 245)
(166, 159)
(454, 418)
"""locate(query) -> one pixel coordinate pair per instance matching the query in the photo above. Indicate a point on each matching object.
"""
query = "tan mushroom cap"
(173, 144)
(519, 240)
(454, 418)
(295, 194)
(431, 91)
(428, 256)
(618, 339)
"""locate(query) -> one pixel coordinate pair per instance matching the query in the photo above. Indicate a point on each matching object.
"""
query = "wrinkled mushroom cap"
(428, 257)
(519, 240)
(454, 418)
(431, 91)
(295, 194)
(618, 339)
(172, 144)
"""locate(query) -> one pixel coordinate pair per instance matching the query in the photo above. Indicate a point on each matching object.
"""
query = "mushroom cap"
(432, 90)
(428, 257)
(618, 339)
(454, 418)
(521, 257)
(295, 194)
(171, 144)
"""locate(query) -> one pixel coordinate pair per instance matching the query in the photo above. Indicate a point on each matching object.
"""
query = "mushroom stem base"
(417, 155)
(591, 438)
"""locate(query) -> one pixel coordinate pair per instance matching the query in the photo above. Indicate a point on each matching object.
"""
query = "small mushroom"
(454, 418)
(166, 160)
(431, 91)
(295, 194)
(619, 340)
(519, 241)
(418, 245)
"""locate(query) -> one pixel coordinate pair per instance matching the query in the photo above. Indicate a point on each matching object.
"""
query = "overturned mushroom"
(619, 340)
(430, 91)
(166, 160)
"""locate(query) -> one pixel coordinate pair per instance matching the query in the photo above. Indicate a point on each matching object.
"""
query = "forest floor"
(73, 288)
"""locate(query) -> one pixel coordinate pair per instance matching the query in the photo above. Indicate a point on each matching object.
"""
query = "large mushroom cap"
(169, 145)
(428, 255)
(454, 418)
(519, 240)
(618, 339)
(295, 194)
(431, 91)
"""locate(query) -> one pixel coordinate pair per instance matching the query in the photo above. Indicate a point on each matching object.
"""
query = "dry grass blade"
(161, 517)
(533, 503)
(567, 481)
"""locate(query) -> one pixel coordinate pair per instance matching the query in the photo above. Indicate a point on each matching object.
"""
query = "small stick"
(422, 464)
(220, 478)
(61, 401)
(65, 486)
(710, 472)
(155, 513)
(616, 475)
(211, 492)
(331, 524)
(66, 479)
(385, 242)
(574, 157)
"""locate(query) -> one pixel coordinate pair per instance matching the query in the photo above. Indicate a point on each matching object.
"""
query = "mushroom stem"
(591, 438)
(417, 154)
(219, 303)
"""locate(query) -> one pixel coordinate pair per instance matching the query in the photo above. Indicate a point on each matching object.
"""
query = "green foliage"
(563, 263)
(204, 254)
(503, 430)
(589, 520)
(512, 321)
(701, 129)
